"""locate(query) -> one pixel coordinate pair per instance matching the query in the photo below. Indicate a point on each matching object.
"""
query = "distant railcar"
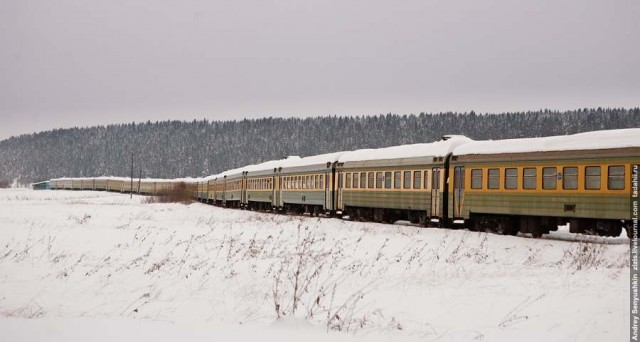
(46, 185)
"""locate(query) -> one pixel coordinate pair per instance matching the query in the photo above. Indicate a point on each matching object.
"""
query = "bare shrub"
(178, 194)
(306, 284)
(4, 184)
(585, 255)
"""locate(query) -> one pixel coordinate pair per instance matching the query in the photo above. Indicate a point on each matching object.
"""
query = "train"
(508, 186)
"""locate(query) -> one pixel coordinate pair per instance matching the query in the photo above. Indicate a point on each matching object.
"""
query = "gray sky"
(72, 62)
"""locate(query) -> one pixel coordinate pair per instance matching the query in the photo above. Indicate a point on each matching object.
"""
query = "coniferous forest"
(172, 149)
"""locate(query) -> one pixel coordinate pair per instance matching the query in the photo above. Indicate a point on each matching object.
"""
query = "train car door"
(326, 179)
(243, 192)
(274, 190)
(435, 193)
(340, 186)
(458, 191)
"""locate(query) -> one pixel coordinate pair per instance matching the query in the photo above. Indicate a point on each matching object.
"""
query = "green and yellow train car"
(395, 183)
(307, 185)
(533, 185)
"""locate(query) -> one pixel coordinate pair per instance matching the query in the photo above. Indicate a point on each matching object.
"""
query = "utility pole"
(131, 176)
(139, 181)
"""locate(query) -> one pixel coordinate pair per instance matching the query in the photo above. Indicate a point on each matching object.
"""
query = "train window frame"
(511, 180)
(493, 178)
(549, 179)
(526, 177)
(417, 179)
(589, 175)
(476, 175)
(356, 180)
(388, 180)
(371, 181)
(570, 178)
(397, 179)
(619, 178)
(363, 180)
(425, 179)
(379, 179)
(406, 181)
(347, 181)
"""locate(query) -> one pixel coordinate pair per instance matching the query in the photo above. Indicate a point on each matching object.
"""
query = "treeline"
(171, 149)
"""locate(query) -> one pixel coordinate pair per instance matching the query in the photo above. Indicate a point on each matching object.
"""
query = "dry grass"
(179, 194)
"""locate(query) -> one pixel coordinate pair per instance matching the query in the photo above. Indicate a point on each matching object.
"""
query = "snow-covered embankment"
(65, 255)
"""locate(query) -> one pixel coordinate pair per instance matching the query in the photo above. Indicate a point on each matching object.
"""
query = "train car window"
(417, 179)
(615, 179)
(549, 179)
(397, 180)
(493, 179)
(379, 180)
(318, 182)
(340, 175)
(529, 178)
(387, 180)
(425, 183)
(363, 180)
(356, 181)
(511, 178)
(592, 177)
(476, 179)
(348, 181)
(407, 180)
(370, 180)
(570, 178)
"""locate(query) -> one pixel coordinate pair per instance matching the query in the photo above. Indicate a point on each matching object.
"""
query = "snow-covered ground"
(101, 266)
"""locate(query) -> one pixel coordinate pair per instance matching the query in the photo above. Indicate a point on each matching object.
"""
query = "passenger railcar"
(395, 183)
(307, 185)
(532, 185)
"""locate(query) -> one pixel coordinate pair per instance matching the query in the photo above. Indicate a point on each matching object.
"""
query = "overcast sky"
(70, 63)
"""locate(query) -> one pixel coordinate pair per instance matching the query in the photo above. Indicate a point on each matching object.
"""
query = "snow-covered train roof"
(438, 148)
(596, 140)
(320, 159)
